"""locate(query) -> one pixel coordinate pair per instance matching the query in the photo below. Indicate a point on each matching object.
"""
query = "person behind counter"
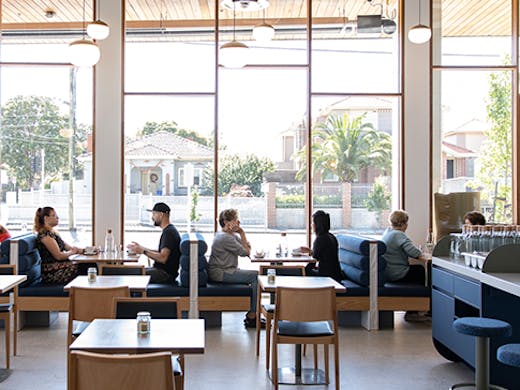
(324, 249)
(54, 252)
(474, 218)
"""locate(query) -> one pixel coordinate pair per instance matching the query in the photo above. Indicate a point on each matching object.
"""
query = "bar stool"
(482, 329)
(509, 354)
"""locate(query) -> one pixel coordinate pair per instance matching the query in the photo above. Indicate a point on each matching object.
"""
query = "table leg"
(299, 375)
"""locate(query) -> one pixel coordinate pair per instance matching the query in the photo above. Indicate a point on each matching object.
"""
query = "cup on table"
(260, 253)
(271, 275)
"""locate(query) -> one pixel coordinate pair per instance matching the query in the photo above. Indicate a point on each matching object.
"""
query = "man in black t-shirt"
(166, 260)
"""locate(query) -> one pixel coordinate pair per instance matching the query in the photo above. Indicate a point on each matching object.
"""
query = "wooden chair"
(163, 307)
(114, 372)
(8, 306)
(304, 316)
(86, 304)
(121, 269)
(267, 310)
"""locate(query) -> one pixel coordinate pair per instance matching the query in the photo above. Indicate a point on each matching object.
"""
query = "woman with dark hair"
(474, 218)
(56, 267)
(324, 249)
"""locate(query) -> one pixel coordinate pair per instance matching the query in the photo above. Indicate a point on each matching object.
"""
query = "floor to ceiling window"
(45, 122)
(245, 130)
(473, 73)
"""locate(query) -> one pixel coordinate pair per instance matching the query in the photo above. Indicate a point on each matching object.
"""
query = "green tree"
(29, 125)
(172, 127)
(378, 200)
(248, 170)
(494, 176)
(342, 146)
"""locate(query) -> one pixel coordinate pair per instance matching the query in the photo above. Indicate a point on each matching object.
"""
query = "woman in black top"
(324, 249)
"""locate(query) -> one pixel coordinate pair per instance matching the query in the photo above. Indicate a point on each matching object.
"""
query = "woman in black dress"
(56, 266)
(324, 249)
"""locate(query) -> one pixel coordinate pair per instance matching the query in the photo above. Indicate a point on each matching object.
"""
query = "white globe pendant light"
(233, 55)
(263, 32)
(419, 33)
(84, 52)
(98, 30)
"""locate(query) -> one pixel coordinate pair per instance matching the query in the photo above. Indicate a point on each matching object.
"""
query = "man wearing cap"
(166, 259)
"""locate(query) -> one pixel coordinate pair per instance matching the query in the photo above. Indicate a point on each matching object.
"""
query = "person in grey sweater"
(228, 244)
(398, 249)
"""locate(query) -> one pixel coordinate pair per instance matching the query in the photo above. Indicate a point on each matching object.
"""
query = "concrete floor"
(402, 358)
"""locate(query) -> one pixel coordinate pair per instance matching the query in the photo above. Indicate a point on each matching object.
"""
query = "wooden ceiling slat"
(469, 17)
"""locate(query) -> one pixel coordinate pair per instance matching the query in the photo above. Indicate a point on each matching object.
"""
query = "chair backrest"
(28, 261)
(129, 372)
(7, 269)
(283, 270)
(163, 307)
(121, 269)
(305, 304)
(86, 304)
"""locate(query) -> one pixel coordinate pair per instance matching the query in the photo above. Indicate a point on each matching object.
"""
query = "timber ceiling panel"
(468, 17)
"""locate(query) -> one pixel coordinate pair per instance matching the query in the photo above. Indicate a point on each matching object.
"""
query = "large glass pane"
(287, 42)
(46, 153)
(473, 138)
(262, 123)
(358, 51)
(353, 160)
(168, 152)
(472, 33)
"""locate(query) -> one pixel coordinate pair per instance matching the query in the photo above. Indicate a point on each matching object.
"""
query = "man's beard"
(156, 223)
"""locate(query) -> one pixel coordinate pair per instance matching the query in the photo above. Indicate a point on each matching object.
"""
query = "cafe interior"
(439, 79)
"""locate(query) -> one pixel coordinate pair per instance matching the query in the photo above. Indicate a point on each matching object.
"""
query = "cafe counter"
(459, 290)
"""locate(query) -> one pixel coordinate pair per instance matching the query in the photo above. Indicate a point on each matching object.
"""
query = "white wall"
(416, 125)
(107, 126)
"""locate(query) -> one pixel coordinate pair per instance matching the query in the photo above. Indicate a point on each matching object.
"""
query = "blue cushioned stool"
(509, 354)
(483, 329)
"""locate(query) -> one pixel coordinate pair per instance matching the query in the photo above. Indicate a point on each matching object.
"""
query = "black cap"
(160, 207)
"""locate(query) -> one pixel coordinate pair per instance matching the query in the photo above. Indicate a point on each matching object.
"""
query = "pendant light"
(233, 54)
(263, 32)
(98, 29)
(419, 33)
(84, 52)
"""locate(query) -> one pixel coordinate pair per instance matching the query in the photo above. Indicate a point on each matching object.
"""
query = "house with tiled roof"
(156, 164)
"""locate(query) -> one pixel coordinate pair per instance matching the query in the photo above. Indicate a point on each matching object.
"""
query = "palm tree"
(342, 146)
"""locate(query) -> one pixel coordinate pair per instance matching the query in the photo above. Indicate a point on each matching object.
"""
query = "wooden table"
(178, 336)
(105, 257)
(297, 375)
(134, 282)
(275, 260)
(7, 282)
(116, 336)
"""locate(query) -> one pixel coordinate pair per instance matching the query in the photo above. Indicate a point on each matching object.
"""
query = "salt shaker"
(271, 275)
(143, 322)
(92, 274)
